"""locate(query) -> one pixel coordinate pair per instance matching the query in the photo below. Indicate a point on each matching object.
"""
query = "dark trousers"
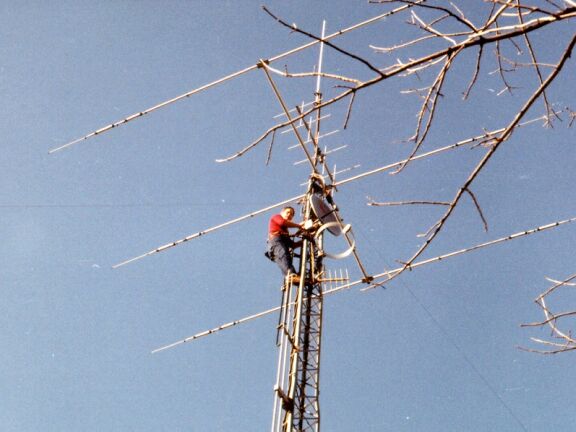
(278, 250)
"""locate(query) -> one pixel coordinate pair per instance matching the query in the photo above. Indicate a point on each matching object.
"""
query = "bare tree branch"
(484, 36)
(547, 105)
(286, 74)
(371, 202)
(326, 42)
(552, 321)
(502, 138)
(429, 106)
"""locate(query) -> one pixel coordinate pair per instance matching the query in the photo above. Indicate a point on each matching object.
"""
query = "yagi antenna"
(231, 76)
(373, 285)
(388, 167)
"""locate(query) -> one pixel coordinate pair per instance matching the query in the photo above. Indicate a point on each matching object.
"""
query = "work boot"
(295, 279)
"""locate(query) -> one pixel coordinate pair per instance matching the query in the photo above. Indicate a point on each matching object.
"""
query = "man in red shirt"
(279, 242)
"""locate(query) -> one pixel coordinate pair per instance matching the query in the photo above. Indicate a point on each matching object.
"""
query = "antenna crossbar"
(324, 153)
(308, 141)
(303, 105)
(301, 125)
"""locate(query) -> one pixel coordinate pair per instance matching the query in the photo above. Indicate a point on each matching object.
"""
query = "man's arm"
(291, 224)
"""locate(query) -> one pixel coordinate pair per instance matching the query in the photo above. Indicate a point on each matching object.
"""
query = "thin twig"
(478, 208)
(270, 148)
(476, 73)
(349, 110)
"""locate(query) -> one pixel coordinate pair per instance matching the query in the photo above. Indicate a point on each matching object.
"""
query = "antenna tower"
(299, 332)
(296, 404)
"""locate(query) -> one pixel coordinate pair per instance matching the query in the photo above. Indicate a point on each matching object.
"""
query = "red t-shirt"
(277, 225)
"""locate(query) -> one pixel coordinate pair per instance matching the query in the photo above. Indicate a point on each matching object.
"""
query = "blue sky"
(435, 350)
